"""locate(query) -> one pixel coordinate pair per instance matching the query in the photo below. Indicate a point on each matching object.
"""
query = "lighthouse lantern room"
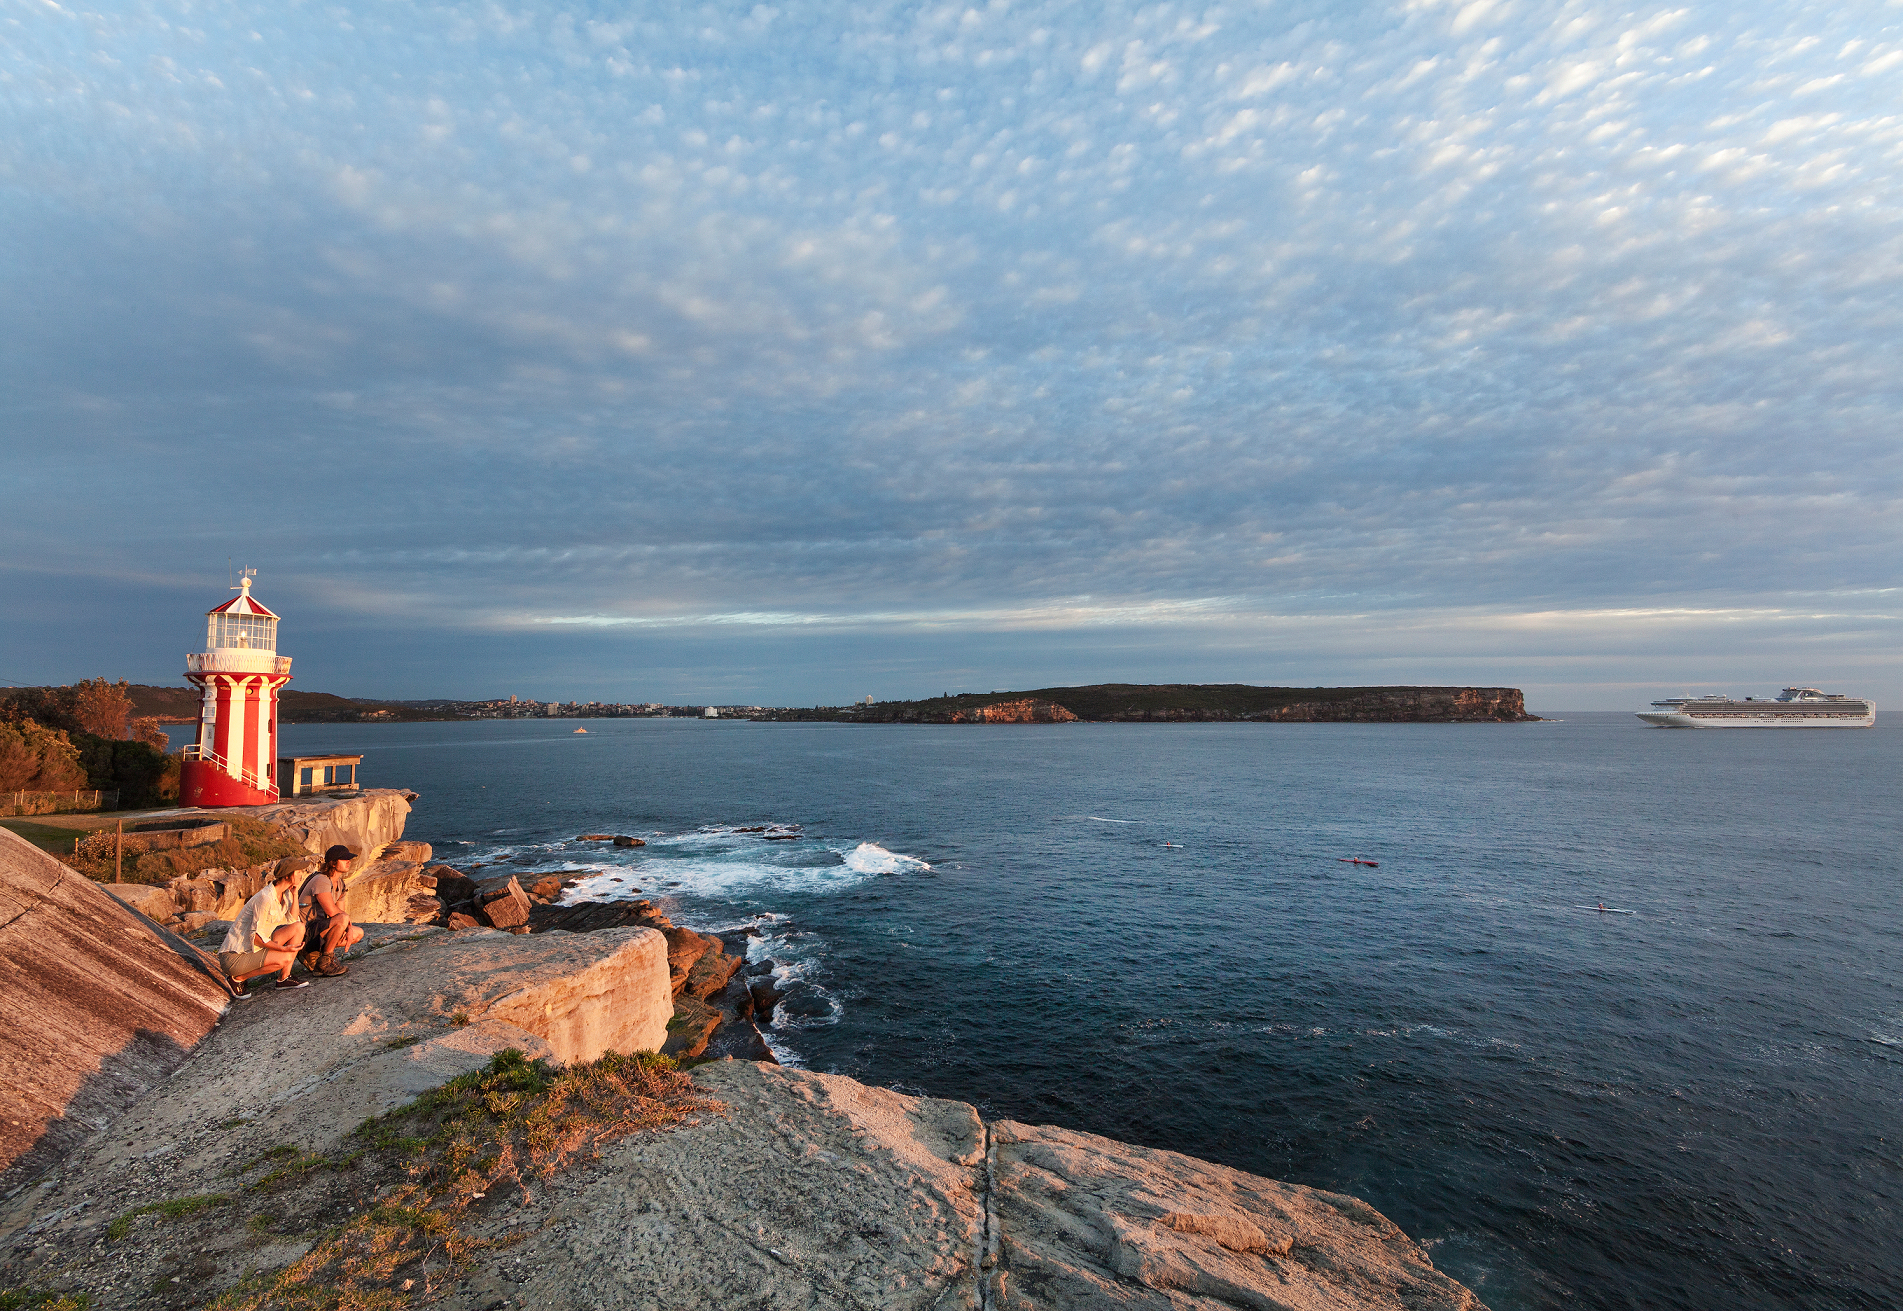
(239, 673)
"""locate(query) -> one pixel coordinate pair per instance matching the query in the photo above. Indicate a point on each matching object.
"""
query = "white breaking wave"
(871, 858)
(1101, 820)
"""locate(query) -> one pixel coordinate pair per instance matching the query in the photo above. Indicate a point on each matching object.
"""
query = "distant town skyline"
(789, 355)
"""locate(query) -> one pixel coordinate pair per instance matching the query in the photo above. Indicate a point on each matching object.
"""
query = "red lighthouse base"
(201, 783)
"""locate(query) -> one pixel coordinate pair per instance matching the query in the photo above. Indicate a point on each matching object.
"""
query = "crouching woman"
(266, 934)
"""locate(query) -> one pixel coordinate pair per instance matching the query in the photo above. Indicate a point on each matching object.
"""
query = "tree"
(100, 708)
(18, 762)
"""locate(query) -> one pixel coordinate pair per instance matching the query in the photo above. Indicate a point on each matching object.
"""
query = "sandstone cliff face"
(1014, 712)
(366, 823)
(96, 1007)
(1401, 705)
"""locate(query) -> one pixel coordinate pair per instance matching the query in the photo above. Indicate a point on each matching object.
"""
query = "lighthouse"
(239, 673)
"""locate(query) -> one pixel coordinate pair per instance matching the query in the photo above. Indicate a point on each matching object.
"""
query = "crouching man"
(266, 934)
(328, 931)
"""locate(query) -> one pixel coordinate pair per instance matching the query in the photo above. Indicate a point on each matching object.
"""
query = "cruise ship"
(1795, 707)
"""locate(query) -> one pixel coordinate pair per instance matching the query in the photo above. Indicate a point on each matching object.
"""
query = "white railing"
(230, 660)
(239, 772)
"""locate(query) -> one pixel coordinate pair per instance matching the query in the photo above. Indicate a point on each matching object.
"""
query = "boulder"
(424, 909)
(416, 853)
(197, 893)
(766, 995)
(458, 920)
(595, 837)
(451, 884)
(506, 907)
(545, 887)
(155, 903)
(381, 894)
(622, 840)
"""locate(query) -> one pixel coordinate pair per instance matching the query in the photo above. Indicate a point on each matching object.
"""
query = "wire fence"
(56, 803)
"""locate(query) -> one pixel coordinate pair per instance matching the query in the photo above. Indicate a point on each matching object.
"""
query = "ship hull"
(1676, 719)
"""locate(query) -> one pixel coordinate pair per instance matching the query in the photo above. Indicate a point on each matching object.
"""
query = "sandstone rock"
(154, 903)
(622, 840)
(193, 921)
(812, 1191)
(684, 947)
(425, 910)
(588, 916)
(451, 884)
(710, 973)
(584, 993)
(415, 853)
(1089, 1222)
(199, 893)
(366, 823)
(595, 837)
(506, 906)
(802, 1189)
(382, 893)
(96, 1006)
(547, 887)
(458, 920)
(693, 1023)
(496, 887)
(738, 1036)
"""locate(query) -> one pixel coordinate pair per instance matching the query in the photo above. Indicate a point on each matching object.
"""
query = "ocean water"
(1147, 931)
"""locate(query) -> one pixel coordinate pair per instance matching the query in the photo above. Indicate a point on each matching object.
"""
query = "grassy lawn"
(55, 833)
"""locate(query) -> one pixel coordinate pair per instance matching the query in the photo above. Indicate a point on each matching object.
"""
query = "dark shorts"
(314, 932)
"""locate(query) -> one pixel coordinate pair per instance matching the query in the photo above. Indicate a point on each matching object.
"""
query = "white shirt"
(261, 917)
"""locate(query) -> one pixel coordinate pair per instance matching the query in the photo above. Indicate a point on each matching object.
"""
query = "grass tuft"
(479, 1133)
(174, 1209)
(42, 1299)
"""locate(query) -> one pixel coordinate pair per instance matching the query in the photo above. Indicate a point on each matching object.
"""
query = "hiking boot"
(309, 961)
(285, 985)
(328, 967)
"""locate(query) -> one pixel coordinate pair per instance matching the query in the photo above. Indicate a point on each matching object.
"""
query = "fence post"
(119, 855)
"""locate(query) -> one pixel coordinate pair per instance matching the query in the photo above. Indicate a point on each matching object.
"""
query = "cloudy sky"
(795, 352)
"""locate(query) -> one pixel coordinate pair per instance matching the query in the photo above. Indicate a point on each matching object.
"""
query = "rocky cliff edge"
(795, 1189)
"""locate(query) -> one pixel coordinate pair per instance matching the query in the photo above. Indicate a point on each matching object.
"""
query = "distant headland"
(1095, 703)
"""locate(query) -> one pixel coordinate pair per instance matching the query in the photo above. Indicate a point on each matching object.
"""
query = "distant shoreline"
(1114, 703)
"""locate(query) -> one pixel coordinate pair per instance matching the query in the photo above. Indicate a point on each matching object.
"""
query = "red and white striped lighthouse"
(240, 672)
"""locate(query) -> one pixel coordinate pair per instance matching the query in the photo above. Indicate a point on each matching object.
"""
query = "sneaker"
(241, 992)
(328, 967)
(285, 985)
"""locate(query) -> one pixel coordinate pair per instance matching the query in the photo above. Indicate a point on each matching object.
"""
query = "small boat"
(1356, 860)
(581, 730)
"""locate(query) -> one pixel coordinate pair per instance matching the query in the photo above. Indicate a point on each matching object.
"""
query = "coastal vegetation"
(85, 735)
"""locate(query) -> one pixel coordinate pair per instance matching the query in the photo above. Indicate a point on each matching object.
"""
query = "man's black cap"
(340, 852)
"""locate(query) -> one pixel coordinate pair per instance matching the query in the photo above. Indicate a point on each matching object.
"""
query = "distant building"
(710, 713)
